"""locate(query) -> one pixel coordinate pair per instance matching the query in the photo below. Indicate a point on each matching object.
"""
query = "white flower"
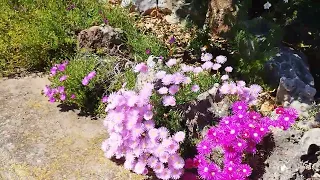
(125, 3)
(150, 61)
(286, 1)
(267, 5)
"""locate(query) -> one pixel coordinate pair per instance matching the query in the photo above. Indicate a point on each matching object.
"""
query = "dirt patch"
(38, 141)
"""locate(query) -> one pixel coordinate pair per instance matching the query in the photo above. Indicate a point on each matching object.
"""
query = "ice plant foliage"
(235, 136)
(133, 135)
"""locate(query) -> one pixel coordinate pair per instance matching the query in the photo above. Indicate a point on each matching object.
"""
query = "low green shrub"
(35, 34)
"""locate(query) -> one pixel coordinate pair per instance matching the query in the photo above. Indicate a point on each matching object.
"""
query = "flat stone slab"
(38, 141)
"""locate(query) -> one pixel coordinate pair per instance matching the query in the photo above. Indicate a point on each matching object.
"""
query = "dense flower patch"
(140, 134)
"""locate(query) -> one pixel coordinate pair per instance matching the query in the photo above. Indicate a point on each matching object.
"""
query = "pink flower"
(148, 51)
(85, 81)
(179, 136)
(63, 97)
(73, 96)
(148, 115)
(206, 57)
(63, 78)
(141, 67)
(153, 133)
(173, 89)
(175, 173)
(224, 77)
(53, 71)
(216, 66)
(105, 99)
(62, 67)
(195, 88)
(171, 62)
(207, 65)
(169, 101)
(163, 90)
(228, 69)
(221, 59)
(197, 70)
(92, 74)
(158, 168)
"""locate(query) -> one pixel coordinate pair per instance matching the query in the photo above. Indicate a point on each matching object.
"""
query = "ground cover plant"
(143, 99)
(35, 35)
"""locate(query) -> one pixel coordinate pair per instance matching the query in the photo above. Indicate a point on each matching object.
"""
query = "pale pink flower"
(139, 167)
(197, 70)
(158, 168)
(169, 101)
(167, 79)
(178, 78)
(92, 74)
(153, 133)
(224, 77)
(186, 68)
(171, 62)
(221, 59)
(206, 57)
(216, 66)
(63, 78)
(148, 115)
(228, 69)
(207, 65)
(187, 80)
(141, 67)
(173, 89)
(195, 88)
(179, 136)
(163, 90)
(160, 74)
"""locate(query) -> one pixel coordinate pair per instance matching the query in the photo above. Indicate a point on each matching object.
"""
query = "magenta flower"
(91, 75)
(63, 78)
(73, 96)
(173, 89)
(228, 69)
(105, 99)
(85, 81)
(63, 97)
(169, 101)
(216, 66)
(148, 51)
(195, 88)
(62, 67)
(61, 89)
(53, 71)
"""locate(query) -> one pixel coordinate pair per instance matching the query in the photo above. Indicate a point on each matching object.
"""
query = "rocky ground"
(39, 140)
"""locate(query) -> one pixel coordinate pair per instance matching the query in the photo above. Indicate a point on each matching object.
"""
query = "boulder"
(96, 38)
(290, 72)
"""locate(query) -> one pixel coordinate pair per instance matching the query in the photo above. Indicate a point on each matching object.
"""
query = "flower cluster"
(58, 68)
(247, 94)
(86, 79)
(133, 135)
(235, 136)
(173, 82)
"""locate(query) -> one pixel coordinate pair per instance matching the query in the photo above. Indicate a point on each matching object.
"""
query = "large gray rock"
(105, 38)
(295, 155)
(290, 72)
